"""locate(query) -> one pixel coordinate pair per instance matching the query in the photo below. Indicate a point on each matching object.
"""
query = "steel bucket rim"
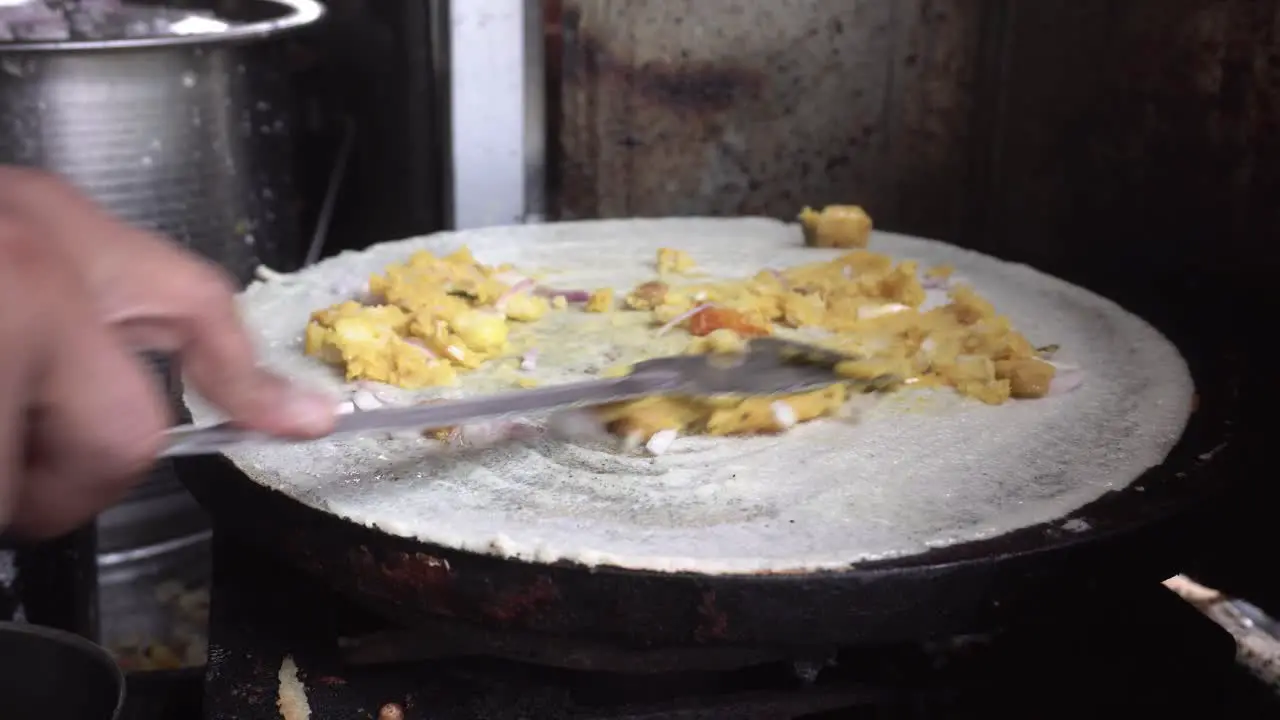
(299, 14)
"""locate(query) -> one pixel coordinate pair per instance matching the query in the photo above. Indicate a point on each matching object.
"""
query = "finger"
(12, 431)
(219, 360)
(16, 365)
(97, 419)
(95, 432)
(173, 301)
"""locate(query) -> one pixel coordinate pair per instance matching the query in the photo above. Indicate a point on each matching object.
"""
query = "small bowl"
(48, 674)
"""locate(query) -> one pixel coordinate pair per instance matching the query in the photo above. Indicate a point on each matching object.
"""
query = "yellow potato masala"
(436, 317)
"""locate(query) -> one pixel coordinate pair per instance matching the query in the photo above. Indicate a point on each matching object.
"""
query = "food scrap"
(437, 317)
(674, 261)
(836, 226)
(600, 301)
(291, 699)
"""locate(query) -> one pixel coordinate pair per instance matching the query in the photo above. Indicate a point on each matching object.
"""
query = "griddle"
(1142, 531)
(1079, 657)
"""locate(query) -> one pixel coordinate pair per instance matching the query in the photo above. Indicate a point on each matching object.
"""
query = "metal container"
(187, 135)
(54, 675)
(153, 566)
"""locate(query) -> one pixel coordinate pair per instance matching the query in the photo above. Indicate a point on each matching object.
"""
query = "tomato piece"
(712, 319)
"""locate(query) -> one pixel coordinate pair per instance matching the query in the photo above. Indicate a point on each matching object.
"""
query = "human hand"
(81, 415)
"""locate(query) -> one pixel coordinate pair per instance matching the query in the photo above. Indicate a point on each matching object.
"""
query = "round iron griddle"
(1140, 532)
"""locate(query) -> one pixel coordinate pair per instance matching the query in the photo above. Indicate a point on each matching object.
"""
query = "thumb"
(199, 322)
(218, 360)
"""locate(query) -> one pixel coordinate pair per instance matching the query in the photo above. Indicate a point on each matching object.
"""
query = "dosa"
(920, 470)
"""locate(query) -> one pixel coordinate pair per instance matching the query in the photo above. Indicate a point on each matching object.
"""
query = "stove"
(1139, 648)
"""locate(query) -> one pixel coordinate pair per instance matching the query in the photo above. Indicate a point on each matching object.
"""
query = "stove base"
(1137, 649)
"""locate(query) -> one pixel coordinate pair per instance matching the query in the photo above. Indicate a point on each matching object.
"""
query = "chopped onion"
(529, 360)
(661, 441)
(573, 296)
(1066, 378)
(576, 425)
(487, 434)
(784, 415)
(346, 407)
(365, 400)
(421, 346)
(266, 274)
(934, 282)
(867, 312)
(675, 321)
(481, 434)
(386, 394)
(632, 441)
(523, 432)
(516, 289)
(508, 277)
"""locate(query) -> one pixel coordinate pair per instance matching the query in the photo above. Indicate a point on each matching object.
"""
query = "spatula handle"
(207, 439)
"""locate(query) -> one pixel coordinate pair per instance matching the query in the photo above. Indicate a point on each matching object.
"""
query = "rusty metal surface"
(1141, 128)
(1088, 659)
(445, 637)
(726, 107)
(264, 611)
(1046, 132)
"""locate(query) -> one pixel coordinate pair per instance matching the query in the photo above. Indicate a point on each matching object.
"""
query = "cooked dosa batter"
(921, 469)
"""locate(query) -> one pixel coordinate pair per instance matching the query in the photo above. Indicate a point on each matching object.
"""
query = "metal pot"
(188, 135)
(54, 675)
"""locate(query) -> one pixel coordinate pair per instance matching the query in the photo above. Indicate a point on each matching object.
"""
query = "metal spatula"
(770, 366)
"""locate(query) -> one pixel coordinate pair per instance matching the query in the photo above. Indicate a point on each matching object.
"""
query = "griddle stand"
(1118, 650)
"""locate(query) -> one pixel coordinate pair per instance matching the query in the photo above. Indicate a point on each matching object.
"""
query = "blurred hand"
(81, 415)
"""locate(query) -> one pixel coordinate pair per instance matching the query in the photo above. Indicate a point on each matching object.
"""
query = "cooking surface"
(1117, 649)
(912, 476)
